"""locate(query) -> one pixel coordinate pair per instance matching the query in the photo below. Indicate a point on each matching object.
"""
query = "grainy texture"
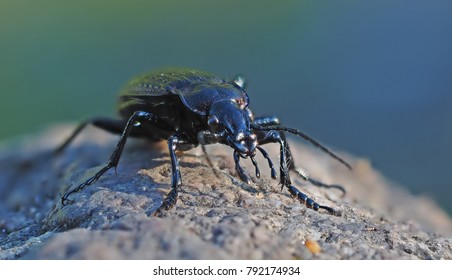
(214, 218)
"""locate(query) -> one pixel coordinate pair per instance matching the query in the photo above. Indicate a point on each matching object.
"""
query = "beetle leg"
(110, 125)
(286, 159)
(304, 175)
(138, 116)
(176, 180)
(310, 203)
(272, 120)
(209, 161)
(275, 137)
(204, 138)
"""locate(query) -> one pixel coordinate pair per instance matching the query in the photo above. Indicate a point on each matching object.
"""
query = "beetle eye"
(240, 102)
(213, 122)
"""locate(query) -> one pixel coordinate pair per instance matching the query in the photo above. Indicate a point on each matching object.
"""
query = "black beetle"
(189, 108)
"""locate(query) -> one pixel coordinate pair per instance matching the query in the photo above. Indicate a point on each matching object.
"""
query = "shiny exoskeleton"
(190, 108)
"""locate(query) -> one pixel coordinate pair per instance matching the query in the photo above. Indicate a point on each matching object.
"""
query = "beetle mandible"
(188, 108)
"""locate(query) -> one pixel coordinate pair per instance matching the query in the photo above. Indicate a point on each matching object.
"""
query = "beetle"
(187, 108)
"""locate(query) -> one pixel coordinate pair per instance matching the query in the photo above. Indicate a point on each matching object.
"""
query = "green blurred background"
(373, 78)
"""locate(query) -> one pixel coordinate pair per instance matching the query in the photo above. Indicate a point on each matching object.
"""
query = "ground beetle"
(189, 108)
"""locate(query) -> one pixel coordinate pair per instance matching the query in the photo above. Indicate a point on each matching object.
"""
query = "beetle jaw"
(244, 143)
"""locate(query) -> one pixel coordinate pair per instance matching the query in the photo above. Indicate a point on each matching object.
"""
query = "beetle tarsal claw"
(332, 211)
(66, 201)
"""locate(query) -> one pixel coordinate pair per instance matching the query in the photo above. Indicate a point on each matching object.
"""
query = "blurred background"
(372, 78)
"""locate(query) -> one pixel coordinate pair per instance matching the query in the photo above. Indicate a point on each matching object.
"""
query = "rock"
(216, 217)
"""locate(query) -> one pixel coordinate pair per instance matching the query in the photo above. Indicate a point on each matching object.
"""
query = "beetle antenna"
(304, 136)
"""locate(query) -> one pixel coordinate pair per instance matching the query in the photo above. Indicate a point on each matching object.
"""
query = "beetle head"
(231, 121)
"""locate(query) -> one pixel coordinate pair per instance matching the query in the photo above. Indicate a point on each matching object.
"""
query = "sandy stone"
(216, 217)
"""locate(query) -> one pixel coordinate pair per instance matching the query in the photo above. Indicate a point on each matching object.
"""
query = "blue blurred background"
(373, 78)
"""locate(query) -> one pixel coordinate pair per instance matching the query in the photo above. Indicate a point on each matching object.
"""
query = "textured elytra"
(195, 89)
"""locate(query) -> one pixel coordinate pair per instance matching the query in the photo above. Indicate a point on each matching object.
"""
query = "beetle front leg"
(285, 156)
(272, 120)
(275, 137)
(176, 180)
(136, 118)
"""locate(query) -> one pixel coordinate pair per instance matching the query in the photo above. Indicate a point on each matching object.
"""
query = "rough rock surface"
(216, 217)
